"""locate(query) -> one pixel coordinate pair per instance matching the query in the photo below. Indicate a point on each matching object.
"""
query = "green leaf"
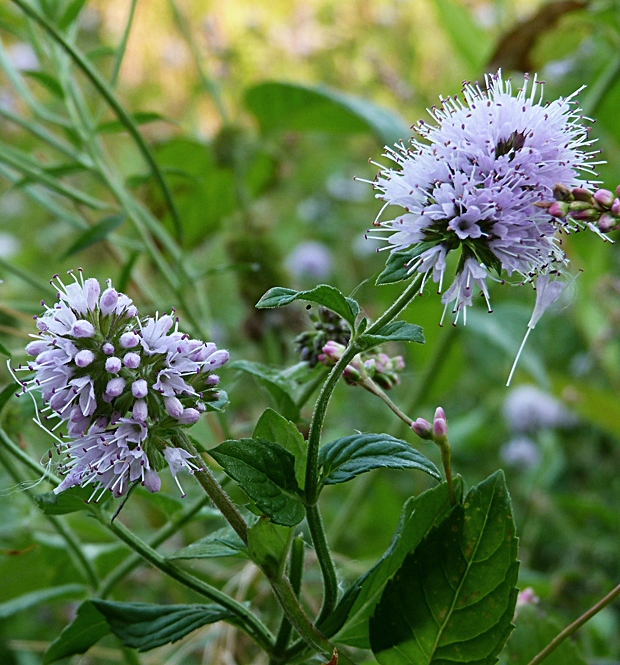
(534, 630)
(99, 231)
(343, 459)
(396, 331)
(71, 13)
(453, 598)
(68, 501)
(7, 393)
(266, 473)
(398, 264)
(281, 106)
(220, 543)
(30, 600)
(46, 80)
(268, 545)
(472, 43)
(140, 118)
(280, 389)
(143, 626)
(419, 515)
(328, 296)
(274, 427)
(88, 627)
(4, 351)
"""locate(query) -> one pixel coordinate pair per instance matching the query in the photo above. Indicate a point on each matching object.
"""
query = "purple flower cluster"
(473, 184)
(123, 386)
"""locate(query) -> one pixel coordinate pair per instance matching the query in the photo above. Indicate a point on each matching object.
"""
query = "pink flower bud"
(582, 194)
(615, 208)
(36, 347)
(132, 311)
(113, 365)
(139, 388)
(604, 197)
(129, 340)
(131, 360)
(189, 416)
(109, 299)
(607, 222)
(152, 481)
(440, 426)
(422, 428)
(140, 411)
(108, 349)
(115, 387)
(217, 359)
(84, 358)
(82, 328)
(558, 209)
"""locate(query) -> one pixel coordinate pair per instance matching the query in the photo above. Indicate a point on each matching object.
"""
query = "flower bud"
(84, 358)
(607, 222)
(558, 209)
(129, 340)
(212, 380)
(422, 428)
(562, 193)
(36, 347)
(217, 359)
(173, 406)
(440, 425)
(152, 481)
(615, 208)
(132, 311)
(603, 197)
(82, 328)
(585, 215)
(579, 205)
(131, 360)
(108, 302)
(189, 416)
(140, 411)
(582, 194)
(108, 349)
(332, 352)
(139, 388)
(113, 365)
(115, 387)
(352, 375)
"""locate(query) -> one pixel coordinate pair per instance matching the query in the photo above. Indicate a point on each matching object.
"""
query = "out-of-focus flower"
(528, 409)
(23, 57)
(9, 245)
(310, 260)
(520, 452)
(124, 386)
(472, 187)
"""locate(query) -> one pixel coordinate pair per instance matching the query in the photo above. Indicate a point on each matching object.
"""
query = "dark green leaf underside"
(221, 543)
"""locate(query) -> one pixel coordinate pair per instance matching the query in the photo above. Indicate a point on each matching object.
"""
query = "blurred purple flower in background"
(310, 260)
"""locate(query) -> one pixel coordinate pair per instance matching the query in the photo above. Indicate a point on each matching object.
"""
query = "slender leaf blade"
(454, 596)
(46, 80)
(94, 234)
(88, 627)
(343, 459)
(140, 118)
(221, 543)
(34, 598)
(266, 473)
(71, 13)
(143, 626)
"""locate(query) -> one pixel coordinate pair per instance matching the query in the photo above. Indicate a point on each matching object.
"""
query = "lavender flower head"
(473, 183)
(124, 387)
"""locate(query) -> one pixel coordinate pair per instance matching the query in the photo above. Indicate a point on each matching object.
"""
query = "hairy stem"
(569, 630)
(397, 306)
(373, 388)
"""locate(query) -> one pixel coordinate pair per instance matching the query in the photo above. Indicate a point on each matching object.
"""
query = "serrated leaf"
(396, 268)
(274, 427)
(396, 331)
(221, 543)
(419, 515)
(282, 106)
(69, 501)
(266, 473)
(71, 13)
(453, 598)
(534, 630)
(34, 598)
(143, 626)
(94, 234)
(140, 118)
(268, 545)
(46, 80)
(280, 389)
(88, 627)
(324, 294)
(343, 459)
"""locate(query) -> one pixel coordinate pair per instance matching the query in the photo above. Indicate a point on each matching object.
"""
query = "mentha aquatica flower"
(123, 386)
(472, 183)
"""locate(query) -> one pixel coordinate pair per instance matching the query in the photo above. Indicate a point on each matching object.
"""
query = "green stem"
(218, 495)
(134, 559)
(122, 47)
(106, 92)
(295, 574)
(373, 388)
(444, 447)
(309, 389)
(251, 624)
(26, 460)
(73, 543)
(569, 630)
(326, 562)
(397, 306)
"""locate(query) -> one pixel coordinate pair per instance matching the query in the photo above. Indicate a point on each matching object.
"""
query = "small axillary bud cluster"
(376, 366)
(437, 432)
(124, 386)
(599, 210)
